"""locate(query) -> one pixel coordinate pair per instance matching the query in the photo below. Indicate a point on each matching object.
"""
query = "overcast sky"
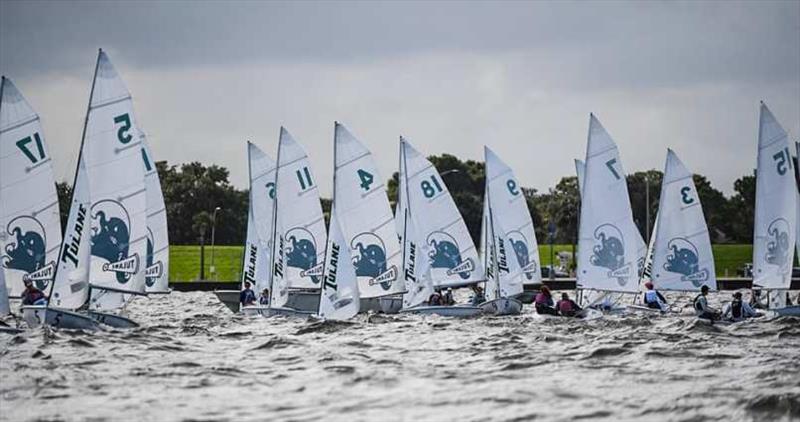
(519, 77)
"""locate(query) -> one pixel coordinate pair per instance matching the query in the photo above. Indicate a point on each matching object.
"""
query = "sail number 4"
(23, 146)
(366, 179)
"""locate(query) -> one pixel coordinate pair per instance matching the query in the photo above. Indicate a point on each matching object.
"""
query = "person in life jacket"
(701, 308)
(653, 299)
(567, 307)
(544, 302)
(31, 295)
(264, 299)
(435, 299)
(739, 310)
(247, 297)
(447, 299)
(756, 299)
(477, 295)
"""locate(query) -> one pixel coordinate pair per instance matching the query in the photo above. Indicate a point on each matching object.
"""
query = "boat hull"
(272, 312)
(787, 311)
(112, 320)
(391, 304)
(525, 297)
(304, 300)
(9, 330)
(446, 311)
(502, 306)
(35, 316)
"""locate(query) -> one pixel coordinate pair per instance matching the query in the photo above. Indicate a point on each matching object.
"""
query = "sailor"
(739, 310)
(544, 302)
(567, 307)
(447, 299)
(31, 295)
(756, 300)
(653, 299)
(247, 297)
(477, 295)
(264, 299)
(701, 308)
(435, 299)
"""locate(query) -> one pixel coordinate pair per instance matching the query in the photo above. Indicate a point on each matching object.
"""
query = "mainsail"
(683, 259)
(30, 226)
(299, 230)
(608, 239)
(5, 308)
(797, 180)
(509, 210)
(112, 153)
(156, 272)
(365, 217)
(776, 207)
(503, 273)
(256, 268)
(339, 296)
(451, 253)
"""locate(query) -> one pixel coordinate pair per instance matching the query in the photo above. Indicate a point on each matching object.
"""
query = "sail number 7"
(24, 143)
(610, 164)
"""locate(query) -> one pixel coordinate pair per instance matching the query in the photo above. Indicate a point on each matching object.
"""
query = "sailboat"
(103, 254)
(609, 242)
(30, 226)
(298, 231)
(509, 249)
(682, 255)
(367, 223)
(339, 295)
(156, 272)
(776, 214)
(438, 251)
(5, 308)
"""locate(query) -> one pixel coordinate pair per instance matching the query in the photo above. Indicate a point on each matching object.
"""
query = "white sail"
(339, 296)
(257, 257)
(504, 276)
(112, 153)
(416, 268)
(682, 259)
(30, 226)
(797, 180)
(71, 285)
(299, 224)
(452, 256)
(580, 171)
(5, 307)
(608, 237)
(366, 218)
(776, 208)
(510, 210)
(647, 269)
(157, 259)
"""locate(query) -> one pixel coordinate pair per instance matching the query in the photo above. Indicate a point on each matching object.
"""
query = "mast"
(274, 224)
(330, 217)
(75, 179)
(249, 213)
(495, 266)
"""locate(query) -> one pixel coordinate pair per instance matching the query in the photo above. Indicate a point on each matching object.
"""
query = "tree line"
(192, 192)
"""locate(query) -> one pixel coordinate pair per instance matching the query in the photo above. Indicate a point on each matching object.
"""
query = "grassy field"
(185, 261)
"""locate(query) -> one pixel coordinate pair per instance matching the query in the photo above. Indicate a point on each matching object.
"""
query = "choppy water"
(194, 360)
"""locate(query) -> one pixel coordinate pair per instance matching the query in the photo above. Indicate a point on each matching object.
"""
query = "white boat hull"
(502, 306)
(391, 304)
(303, 300)
(787, 311)
(271, 312)
(446, 311)
(36, 315)
(112, 320)
(644, 309)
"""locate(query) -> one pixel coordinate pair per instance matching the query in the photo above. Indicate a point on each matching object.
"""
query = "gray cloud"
(521, 77)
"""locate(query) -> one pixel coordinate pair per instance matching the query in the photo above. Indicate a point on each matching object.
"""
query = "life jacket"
(736, 309)
(565, 306)
(650, 296)
(542, 299)
(697, 305)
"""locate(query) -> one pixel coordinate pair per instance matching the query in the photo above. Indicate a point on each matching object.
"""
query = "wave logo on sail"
(778, 244)
(26, 251)
(520, 245)
(610, 253)
(445, 253)
(111, 239)
(370, 260)
(301, 253)
(683, 260)
(154, 270)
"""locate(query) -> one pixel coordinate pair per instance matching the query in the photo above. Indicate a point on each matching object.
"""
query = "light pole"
(213, 270)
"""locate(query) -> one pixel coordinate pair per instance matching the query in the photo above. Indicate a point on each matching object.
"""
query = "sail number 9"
(512, 187)
(271, 190)
(783, 161)
(22, 144)
(122, 133)
(430, 190)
